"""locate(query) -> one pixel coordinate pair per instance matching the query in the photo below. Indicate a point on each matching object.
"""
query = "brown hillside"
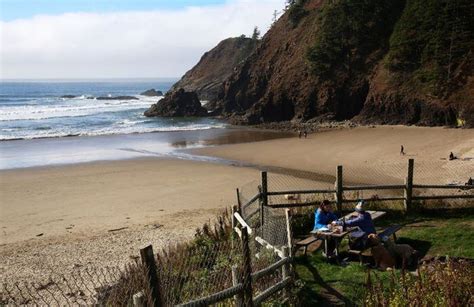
(280, 82)
(215, 67)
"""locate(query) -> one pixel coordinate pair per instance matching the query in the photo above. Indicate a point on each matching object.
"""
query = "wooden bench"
(390, 231)
(305, 243)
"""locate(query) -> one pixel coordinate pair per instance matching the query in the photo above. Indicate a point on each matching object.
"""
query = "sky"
(87, 39)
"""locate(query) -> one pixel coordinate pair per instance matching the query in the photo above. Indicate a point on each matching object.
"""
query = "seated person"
(324, 215)
(363, 220)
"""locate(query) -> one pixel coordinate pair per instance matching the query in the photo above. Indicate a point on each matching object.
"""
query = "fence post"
(238, 198)
(247, 269)
(239, 301)
(264, 202)
(289, 231)
(148, 260)
(233, 224)
(286, 268)
(409, 185)
(339, 188)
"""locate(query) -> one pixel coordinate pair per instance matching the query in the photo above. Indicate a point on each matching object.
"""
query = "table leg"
(326, 248)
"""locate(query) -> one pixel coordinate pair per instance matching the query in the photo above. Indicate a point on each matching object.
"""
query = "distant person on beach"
(402, 150)
(299, 133)
(452, 156)
(305, 134)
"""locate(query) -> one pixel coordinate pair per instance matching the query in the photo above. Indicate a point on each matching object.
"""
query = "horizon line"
(87, 79)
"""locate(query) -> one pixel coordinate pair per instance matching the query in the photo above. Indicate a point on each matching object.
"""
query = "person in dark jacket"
(363, 220)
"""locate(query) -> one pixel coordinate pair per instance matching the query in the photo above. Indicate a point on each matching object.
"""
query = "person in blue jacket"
(363, 220)
(324, 216)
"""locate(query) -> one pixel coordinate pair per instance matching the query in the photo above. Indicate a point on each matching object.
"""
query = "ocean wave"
(54, 111)
(47, 133)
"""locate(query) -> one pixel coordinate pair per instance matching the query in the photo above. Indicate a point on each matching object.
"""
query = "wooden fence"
(406, 189)
(242, 289)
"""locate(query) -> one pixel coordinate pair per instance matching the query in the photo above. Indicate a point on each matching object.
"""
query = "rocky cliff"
(375, 61)
(215, 67)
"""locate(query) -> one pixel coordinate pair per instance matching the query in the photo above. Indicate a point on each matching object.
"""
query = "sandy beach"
(101, 213)
(104, 212)
(368, 154)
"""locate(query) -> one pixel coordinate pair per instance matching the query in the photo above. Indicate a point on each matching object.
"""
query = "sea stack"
(178, 103)
(152, 93)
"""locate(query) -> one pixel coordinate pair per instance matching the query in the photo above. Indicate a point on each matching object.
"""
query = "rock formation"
(215, 67)
(152, 93)
(117, 98)
(179, 103)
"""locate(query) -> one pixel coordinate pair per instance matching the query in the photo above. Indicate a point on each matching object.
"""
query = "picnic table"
(339, 235)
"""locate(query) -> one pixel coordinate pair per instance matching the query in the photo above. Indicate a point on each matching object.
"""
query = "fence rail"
(407, 192)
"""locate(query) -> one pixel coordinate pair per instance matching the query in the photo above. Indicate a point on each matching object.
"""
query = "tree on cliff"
(256, 33)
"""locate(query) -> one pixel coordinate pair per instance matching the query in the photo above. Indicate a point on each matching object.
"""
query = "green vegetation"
(296, 12)
(448, 283)
(431, 39)
(256, 33)
(351, 30)
(445, 233)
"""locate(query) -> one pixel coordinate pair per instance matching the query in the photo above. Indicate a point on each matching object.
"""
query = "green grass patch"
(432, 234)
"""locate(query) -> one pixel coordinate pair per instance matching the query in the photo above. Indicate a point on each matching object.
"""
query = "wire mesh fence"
(88, 286)
(199, 270)
(188, 272)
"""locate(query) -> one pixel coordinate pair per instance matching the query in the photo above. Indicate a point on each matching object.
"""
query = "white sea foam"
(74, 107)
(108, 131)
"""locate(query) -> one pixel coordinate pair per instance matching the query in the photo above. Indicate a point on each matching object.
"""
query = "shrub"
(437, 284)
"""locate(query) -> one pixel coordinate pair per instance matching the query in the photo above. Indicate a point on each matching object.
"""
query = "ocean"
(40, 128)
(30, 110)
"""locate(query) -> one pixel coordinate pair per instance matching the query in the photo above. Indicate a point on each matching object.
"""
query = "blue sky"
(16, 9)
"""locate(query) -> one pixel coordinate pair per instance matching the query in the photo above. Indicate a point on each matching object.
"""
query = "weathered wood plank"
(242, 222)
(445, 186)
(301, 192)
(267, 245)
(443, 197)
(270, 269)
(216, 297)
(270, 291)
(251, 201)
(373, 187)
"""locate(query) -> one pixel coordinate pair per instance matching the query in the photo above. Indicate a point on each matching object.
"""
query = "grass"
(433, 234)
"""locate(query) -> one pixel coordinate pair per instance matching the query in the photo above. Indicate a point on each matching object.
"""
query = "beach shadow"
(328, 296)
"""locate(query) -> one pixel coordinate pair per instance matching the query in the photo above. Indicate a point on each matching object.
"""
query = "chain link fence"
(87, 286)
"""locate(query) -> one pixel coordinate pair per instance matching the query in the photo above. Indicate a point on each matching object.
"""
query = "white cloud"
(126, 44)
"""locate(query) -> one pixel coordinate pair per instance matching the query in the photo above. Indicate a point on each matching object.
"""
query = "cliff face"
(370, 61)
(215, 67)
